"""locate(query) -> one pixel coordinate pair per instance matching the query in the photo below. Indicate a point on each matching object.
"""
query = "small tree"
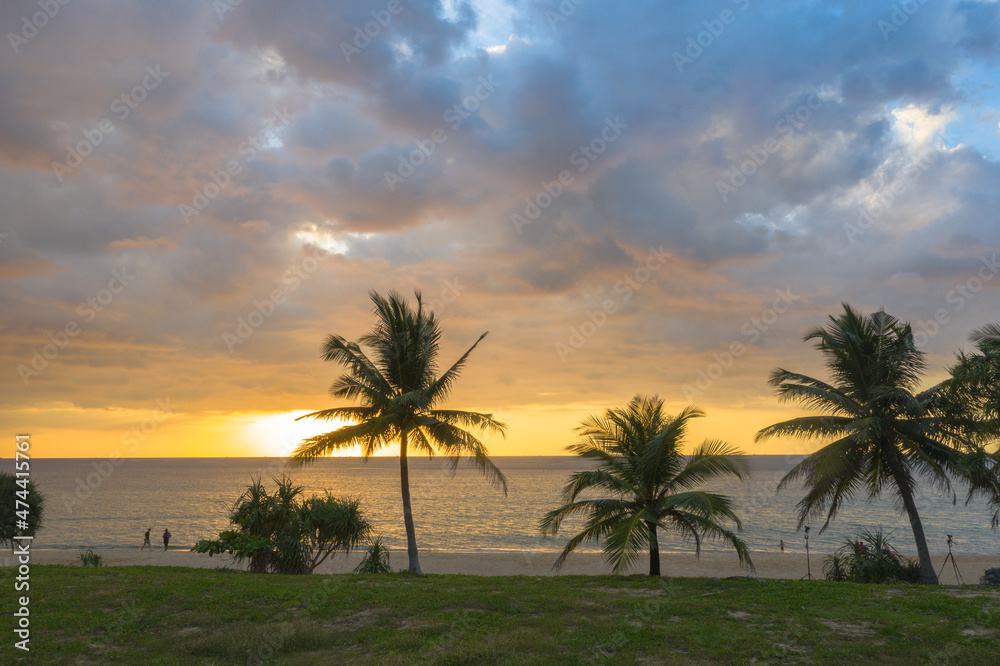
(647, 486)
(376, 560)
(281, 533)
(22, 508)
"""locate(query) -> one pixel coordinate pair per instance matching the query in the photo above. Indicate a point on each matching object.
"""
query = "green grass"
(154, 615)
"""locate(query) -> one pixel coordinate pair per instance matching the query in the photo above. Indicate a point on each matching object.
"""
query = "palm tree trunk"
(404, 482)
(654, 550)
(927, 574)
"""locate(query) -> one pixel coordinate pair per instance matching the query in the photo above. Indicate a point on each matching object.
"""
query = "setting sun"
(278, 434)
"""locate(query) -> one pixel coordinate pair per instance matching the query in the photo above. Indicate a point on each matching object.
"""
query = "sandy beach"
(768, 565)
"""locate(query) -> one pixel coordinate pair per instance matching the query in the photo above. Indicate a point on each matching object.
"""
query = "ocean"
(93, 503)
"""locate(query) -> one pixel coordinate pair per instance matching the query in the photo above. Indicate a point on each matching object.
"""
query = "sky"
(638, 197)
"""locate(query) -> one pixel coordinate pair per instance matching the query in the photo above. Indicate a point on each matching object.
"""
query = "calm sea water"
(191, 497)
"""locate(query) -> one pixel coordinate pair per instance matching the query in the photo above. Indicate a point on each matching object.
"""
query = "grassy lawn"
(154, 615)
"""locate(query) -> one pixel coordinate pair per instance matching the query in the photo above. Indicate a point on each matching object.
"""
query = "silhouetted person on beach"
(166, 539)
(782, 545)
(146, 543)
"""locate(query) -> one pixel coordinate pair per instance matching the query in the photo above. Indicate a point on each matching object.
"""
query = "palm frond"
(458, 443)
(351, 414)
(807, 427)
(625, 542)
(712, 460)
(369, 433)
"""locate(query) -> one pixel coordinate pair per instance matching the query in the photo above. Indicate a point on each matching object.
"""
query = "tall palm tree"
(653, 486)
(398, 389)
(884, 434)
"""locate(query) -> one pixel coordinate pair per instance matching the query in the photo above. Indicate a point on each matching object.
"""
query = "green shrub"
(91, 559)
(12, 490)
(870, 558)
(281, 533)
(376, 560)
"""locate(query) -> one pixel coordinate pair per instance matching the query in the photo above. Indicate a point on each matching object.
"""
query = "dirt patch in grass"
(848, 629)
(628, 591)
(979, 632)
(354, 621)
(969, 592)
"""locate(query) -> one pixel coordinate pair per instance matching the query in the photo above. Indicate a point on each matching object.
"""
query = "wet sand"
(721, 565)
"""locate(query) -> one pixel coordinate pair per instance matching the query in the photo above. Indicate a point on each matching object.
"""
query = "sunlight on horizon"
(278, 434)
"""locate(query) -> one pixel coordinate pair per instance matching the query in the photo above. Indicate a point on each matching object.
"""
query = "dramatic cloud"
(623, 194)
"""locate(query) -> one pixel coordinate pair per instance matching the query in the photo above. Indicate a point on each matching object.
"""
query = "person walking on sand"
(166, 539)
(782, 545)
(145, 542)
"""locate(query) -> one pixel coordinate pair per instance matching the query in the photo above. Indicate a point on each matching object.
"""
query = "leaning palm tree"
(398, 389)
(885, 435)
(652, 485)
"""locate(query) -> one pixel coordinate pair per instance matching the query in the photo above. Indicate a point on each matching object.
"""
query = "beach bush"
(283, 533)
(376, 560)
(870, 558)
(91, 559)
(12, 491)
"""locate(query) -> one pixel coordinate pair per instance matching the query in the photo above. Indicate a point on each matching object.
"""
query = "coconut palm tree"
(975, 379)
(971, 396)
(398, 389)
(652, 485)
(885, 435)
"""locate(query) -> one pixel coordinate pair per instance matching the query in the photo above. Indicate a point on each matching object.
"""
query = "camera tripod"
(954, 564)
(808, 575)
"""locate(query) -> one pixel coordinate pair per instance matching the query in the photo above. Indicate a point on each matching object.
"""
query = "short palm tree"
(399, 390)
(885, 435)
(647, 485)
